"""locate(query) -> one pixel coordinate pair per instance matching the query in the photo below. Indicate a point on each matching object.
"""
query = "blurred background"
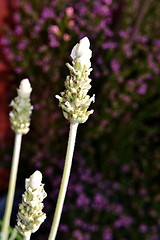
(114, 190)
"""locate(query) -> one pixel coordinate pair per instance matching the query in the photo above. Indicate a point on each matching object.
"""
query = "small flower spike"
(21, 108)
(75, 101)
(30, 215)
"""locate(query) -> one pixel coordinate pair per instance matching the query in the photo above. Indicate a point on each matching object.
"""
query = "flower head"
(21, 108)
(75, 100)
(30, 215)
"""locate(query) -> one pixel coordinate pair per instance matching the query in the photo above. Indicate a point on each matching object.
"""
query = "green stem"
(12, 184)
(13, 235)
(65, 179)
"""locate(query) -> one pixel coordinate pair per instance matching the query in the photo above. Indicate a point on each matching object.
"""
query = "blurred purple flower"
(18, 30)
(69, 11)
(8, 53)
(64, 228)
(127, 50)
(107, 234)
(115, 65)
(123, 34)
(82, 200)
(18, 70)
(27, 7)
(118, 209)
(142, 89)
(22, 44)
(47, 13)
(156, 42)
(108, 2)
(109, 45)
(80, 236)
(123, 221)
(99, 202)
(4, 41)
(125, 98)
(17, 17)
(154, 237)
(143, 228)
(54, 29)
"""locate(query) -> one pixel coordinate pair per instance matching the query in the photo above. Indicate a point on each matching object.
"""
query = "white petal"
(34, 181)
(84, 61)
(81, 48)
(24, 88)
(85, 42)
(74, 52)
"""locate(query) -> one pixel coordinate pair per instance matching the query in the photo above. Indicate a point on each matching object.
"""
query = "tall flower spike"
(75, 101)
(21, 108)
(30, 215)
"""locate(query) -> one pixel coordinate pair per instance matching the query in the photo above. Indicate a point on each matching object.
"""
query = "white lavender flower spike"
(21, 108)
(74, 101)
(30, 215)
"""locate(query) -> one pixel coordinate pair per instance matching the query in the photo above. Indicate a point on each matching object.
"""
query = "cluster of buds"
(30, 215)
(75, 101)
(21, 108)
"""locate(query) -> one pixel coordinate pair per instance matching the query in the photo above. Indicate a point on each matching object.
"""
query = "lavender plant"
(74, 102)
(30, 215)
(122, 139)
(20, 122)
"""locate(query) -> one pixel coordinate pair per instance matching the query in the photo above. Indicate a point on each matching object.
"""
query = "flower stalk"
(65, 180)
(74, 102)
(12, 185)
(20, 122)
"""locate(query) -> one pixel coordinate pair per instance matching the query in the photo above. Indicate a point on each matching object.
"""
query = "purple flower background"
(114, 188)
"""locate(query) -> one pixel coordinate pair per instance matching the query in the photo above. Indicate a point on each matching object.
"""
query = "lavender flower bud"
(74, 101)
(21, 108)
(34, 181)
(82, 53)
(25, 89)
(30, 215)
